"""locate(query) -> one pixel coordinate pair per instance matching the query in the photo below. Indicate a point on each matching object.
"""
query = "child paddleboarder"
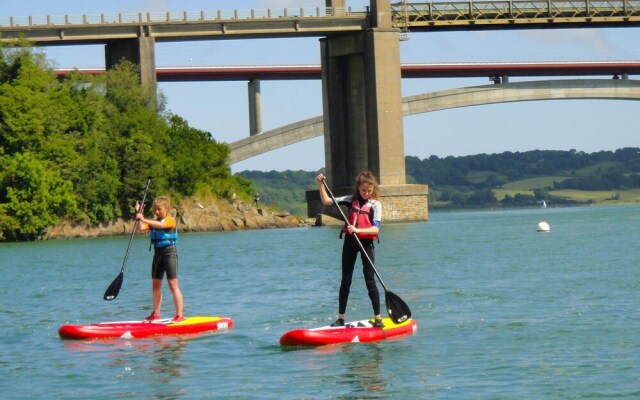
(364, 216)
(164, 235)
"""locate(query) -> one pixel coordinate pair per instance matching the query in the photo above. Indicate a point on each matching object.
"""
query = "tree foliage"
(82, 149)
(34, 196)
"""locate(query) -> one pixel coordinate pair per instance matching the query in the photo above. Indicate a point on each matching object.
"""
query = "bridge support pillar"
(255, 108)
(140, 51)
(362, 105)
(400, 203)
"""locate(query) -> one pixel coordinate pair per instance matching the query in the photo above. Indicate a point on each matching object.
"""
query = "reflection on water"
(359, 370)
(156, 360)
(362, 375)
(167, 359)
(167, 367)
(347, 371)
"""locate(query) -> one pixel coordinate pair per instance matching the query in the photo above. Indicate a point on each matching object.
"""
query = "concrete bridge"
(360, 64)
(603, 89)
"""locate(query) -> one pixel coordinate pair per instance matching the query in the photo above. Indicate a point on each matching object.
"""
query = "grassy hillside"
(491, 180)
(600, 196)
(530, 183)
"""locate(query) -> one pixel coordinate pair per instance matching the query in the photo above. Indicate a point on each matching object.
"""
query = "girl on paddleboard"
(364, 215)
(164, 235)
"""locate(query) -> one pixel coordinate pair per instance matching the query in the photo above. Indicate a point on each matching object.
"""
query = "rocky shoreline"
(192, 216)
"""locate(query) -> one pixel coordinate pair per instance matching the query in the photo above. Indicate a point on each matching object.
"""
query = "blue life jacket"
(164, 237)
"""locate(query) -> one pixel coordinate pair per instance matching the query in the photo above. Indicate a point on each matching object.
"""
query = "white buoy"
(543, 227)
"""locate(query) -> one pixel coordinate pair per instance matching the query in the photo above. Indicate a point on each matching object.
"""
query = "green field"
(532, 183)
(582, 196)
(600, 196)
(501, 193)
(547, 181)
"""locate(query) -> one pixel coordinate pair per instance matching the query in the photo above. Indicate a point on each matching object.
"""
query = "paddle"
(396, 307)
(113, 289)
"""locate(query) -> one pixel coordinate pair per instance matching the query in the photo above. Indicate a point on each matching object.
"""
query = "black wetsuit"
(350, 250)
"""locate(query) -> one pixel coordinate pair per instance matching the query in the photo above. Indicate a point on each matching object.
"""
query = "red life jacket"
(361, 218)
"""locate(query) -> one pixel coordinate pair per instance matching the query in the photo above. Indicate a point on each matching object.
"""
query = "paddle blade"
(396, 307)
(113, 289)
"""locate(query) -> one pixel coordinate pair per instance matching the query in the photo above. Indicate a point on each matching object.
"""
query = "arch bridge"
(567, 89)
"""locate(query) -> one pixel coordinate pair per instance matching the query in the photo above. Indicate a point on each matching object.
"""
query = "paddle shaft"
(135, 227)
(344, 217)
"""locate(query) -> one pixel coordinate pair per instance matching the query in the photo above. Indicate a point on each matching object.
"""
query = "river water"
(503, 312)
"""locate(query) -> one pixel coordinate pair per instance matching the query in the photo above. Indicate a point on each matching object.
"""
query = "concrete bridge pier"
(362, 105)
(140, 51)
(255, 107)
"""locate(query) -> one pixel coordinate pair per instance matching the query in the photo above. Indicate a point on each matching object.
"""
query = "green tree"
(95, 172)
(81, 149)
(482, 197)
(137, 133)
(541, 194)
(33, 197)
(191, 169)
(32, 104)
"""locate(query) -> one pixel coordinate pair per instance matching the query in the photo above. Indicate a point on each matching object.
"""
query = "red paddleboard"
(352, 332)
(141, 329)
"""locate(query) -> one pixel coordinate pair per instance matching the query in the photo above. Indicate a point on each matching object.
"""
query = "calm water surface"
(503, 312)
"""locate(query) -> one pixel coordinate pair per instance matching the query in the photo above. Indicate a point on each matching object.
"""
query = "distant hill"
(513, 179)
(507, 179)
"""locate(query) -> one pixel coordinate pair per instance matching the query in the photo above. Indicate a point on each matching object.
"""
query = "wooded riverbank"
(191, 216)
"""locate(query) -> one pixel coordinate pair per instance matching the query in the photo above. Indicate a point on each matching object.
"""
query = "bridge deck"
(515, 13)
(433, 70)
(318, 21)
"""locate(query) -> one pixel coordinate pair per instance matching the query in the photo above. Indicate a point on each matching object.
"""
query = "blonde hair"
(162, 201)
(366, 177)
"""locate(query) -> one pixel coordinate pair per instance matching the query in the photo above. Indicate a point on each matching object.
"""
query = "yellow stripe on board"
(389, 324)
(197, 320)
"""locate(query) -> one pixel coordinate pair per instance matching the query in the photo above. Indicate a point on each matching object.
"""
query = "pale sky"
(222, 107)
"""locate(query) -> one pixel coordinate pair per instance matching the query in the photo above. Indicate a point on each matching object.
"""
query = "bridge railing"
(405, 14)
(178, 16)
(510, 11)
